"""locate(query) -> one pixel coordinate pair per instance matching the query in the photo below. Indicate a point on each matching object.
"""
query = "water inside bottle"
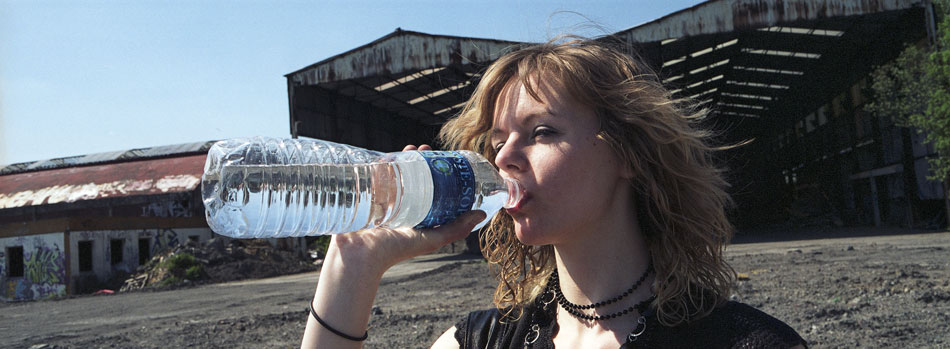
(297, 200)
(251, 200)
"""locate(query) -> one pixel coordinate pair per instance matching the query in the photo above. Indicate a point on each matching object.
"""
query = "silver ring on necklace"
(528, 338)
(641, 327)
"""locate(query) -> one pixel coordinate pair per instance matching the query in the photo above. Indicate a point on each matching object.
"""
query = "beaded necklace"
(552, 292)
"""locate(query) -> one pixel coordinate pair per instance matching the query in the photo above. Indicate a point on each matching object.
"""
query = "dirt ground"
(864, 288)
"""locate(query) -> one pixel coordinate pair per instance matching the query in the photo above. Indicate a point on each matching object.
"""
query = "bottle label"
(453, 187)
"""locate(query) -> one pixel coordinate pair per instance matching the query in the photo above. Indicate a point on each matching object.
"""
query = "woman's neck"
(602, 265)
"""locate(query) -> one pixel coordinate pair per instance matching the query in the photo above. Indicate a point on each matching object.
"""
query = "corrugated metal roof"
(101, 157)
(399, 53)
(195, 147)
(421, 77)
(98, 158)
(723, 16)
(64, 185)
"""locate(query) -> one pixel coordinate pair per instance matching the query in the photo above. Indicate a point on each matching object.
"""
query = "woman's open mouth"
(525, 196)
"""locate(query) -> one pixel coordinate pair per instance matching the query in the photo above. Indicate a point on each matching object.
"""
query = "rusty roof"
(400, 52)
(108, 157)
(72, 184)
(723, 16)
(419, 76)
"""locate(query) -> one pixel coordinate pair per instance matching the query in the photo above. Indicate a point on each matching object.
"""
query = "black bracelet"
(335, 331)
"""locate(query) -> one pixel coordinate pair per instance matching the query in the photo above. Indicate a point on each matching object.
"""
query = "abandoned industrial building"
(66, 224)
(785, 78)
(789, 76)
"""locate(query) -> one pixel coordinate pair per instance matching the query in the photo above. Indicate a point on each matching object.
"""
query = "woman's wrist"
(344, 296)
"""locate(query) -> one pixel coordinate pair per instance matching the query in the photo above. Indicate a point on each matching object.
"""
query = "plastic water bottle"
(269, 187)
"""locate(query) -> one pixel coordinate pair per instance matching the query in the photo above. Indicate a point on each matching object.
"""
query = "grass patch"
(182, 266)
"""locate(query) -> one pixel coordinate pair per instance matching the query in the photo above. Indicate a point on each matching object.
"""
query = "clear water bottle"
(268, 187)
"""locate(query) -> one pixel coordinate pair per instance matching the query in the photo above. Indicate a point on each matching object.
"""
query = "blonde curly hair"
(680, 193)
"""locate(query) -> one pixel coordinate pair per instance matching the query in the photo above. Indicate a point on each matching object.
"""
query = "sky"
(82, 77)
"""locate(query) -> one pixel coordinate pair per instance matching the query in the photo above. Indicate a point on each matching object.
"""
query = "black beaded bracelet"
(335, 331)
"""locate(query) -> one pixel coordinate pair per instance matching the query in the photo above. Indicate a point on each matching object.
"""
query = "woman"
(619, 236)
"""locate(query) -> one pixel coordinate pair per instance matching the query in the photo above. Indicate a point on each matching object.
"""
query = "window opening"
(144, 255)
(115, 250)
(15, 261)
(85, 256)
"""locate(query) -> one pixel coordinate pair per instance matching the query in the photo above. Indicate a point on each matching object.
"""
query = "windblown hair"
(680, 193)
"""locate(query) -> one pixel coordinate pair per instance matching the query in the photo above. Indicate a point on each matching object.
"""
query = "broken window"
(144, 255)
(85, 256)
(823, 115)
(15, 261)
(115, 249)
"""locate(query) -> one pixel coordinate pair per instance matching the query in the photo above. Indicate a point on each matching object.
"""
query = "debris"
(217, 260)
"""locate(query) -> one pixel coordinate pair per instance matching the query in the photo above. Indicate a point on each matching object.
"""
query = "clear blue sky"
(80, 77)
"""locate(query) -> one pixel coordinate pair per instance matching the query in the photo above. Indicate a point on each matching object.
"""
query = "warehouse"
(68, 225)
(788, 77)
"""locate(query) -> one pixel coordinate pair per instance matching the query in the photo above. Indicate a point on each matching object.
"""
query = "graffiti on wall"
(41, 266)
(44, 274)
(163, 239)
(166, 209)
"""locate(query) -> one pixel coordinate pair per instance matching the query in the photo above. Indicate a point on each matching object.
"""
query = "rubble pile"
(217, 260)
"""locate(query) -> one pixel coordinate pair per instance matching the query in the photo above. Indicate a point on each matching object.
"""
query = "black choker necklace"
(568, 305)
(552, 292)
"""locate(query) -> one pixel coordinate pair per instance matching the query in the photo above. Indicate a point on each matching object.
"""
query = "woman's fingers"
(406, 243)
(454, 231)
(382, 248)
(413, 147)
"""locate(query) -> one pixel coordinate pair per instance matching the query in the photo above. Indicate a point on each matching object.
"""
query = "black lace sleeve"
(474, 330)
(734, 325)
(763, 330)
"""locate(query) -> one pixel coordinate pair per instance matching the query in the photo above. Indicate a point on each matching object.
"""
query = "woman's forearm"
(343, 299)
(352, 271)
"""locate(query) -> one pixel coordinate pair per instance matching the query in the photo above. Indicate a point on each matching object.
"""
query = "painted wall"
(44, 258)
(44, 264)
(102, 267)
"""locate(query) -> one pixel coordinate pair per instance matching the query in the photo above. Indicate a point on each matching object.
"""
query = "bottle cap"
(514, 192)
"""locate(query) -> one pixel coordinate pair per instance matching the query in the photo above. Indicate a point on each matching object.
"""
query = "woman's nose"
(510, 158)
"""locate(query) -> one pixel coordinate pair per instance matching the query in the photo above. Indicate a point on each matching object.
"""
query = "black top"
(732, 325)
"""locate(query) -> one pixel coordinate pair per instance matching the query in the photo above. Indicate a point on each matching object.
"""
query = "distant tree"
(914, 90)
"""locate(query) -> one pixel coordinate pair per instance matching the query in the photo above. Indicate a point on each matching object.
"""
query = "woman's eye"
(498, 146)
(544, 131)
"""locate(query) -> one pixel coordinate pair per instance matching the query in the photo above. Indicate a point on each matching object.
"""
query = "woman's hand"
(354, 265)
(376, 250)
(379, 249)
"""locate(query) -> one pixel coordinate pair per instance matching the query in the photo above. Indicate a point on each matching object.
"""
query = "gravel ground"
(872, 291)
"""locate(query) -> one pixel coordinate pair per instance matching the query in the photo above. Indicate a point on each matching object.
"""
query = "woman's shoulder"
(491, 329)
(737, 325)
(478, 328)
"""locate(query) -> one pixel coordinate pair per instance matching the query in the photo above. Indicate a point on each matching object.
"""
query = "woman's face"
(572, 179)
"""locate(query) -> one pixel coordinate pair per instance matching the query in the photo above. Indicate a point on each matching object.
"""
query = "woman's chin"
(529, 236)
